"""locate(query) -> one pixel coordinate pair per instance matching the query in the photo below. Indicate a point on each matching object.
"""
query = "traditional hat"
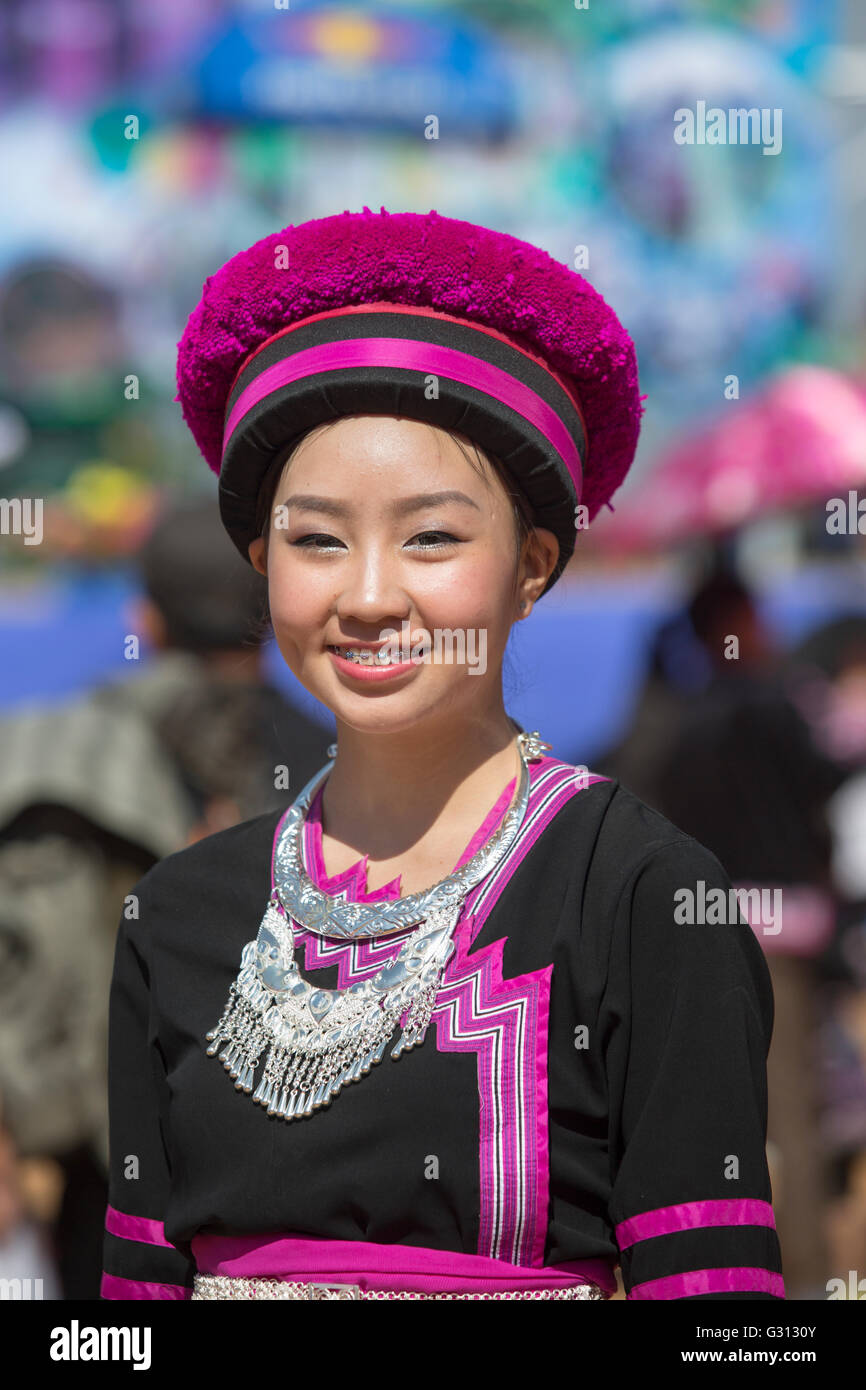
(420, 316)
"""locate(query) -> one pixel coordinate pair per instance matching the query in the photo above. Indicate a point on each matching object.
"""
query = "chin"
(391, 713)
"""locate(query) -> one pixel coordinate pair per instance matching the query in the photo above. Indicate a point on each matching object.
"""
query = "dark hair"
(524, 521)
(209, 599)
(720, 595)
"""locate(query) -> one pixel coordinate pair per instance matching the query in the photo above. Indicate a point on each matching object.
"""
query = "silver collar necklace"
(319, 1040)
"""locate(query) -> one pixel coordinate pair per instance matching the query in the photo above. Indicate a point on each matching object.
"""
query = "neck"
(385, 791)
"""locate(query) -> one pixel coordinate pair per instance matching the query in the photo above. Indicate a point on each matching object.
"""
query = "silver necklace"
(320, 1040)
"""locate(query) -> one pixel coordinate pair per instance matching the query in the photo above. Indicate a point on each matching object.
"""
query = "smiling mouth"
(363, 656)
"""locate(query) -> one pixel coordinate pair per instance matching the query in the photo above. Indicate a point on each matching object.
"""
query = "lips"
(368, 668)
(363, 656)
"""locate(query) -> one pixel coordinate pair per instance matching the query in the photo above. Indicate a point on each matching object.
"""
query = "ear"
(539, 561)
(257, 552)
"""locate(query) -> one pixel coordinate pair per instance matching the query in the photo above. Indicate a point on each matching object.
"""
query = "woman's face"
(357, 548)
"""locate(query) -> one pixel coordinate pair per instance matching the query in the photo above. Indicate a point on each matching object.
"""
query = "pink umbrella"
(802, 439)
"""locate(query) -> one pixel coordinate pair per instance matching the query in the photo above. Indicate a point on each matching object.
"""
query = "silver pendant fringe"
(320, 1040)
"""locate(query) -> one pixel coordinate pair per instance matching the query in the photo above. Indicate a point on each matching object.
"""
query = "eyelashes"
(444, 544)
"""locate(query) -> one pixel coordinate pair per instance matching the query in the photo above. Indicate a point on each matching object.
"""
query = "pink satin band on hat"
(426, 312)
(375, 1266)
(428, 358)
(425, 357)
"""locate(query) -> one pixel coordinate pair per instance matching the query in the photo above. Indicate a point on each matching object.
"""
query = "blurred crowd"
(94, 792)
(761, 755)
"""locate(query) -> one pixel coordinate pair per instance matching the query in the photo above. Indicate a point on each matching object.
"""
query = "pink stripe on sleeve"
(113, 1286)
(690, 1216)
(738, 1279)
(142, 1228)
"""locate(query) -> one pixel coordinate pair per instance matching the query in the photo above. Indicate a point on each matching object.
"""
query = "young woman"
(457, 1023)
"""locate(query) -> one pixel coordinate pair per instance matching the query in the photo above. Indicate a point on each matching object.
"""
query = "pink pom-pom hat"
(420, 316)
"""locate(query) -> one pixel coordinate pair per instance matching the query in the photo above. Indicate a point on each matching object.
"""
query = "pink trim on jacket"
(504, 1021)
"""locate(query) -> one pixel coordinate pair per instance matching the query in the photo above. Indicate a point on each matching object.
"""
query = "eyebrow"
(308, 502)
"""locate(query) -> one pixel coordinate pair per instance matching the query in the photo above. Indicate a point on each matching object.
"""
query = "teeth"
(365, 657)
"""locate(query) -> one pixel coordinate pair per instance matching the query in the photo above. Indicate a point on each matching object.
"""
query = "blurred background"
(708, 642)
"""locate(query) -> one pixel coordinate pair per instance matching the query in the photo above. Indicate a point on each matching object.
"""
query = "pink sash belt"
(382, 1267)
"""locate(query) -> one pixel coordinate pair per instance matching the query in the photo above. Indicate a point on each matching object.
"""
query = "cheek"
(476, 595)
(299, 603)
(478, 589)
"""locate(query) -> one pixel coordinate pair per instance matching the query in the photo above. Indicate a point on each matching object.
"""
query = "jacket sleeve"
(690, 1023)
(138, 1261)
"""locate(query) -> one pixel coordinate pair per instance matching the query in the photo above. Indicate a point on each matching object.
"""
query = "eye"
(315, 536)
(444, 540)
(442, 544)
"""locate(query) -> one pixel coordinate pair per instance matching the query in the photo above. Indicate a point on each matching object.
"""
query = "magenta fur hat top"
(420, 316)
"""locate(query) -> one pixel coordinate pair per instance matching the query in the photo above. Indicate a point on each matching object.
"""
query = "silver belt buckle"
(334, 1292)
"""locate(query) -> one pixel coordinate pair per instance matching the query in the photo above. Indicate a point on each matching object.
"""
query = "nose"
(372, 593)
